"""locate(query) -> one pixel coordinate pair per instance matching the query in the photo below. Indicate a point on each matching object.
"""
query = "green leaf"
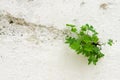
(88, 47)
(70, 40)
(95, 39)
(79, 50)
(73, 29)
(90, 59)
(95, 61)
(75, 45)
(92, 30)
(100, 55)
(70, 25)
(84, 27)
(86, 38)
(96, 49)
(110, 42)
(82, 33)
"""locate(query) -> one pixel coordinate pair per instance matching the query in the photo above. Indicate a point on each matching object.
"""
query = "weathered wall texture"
(32, 39)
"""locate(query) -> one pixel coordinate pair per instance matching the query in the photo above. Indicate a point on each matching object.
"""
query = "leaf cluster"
(86, 42)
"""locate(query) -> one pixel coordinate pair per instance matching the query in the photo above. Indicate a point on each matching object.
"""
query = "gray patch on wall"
(13, 26)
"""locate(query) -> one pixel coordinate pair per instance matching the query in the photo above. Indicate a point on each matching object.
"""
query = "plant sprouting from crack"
(86, 42)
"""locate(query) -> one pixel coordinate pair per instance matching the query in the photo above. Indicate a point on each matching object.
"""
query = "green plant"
(86, 42)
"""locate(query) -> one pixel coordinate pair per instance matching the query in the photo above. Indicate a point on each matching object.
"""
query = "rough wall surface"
(32, 39)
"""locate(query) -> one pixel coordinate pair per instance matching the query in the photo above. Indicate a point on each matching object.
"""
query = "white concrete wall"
(29, 51)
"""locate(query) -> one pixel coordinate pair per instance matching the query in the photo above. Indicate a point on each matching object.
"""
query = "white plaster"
(37, 56)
